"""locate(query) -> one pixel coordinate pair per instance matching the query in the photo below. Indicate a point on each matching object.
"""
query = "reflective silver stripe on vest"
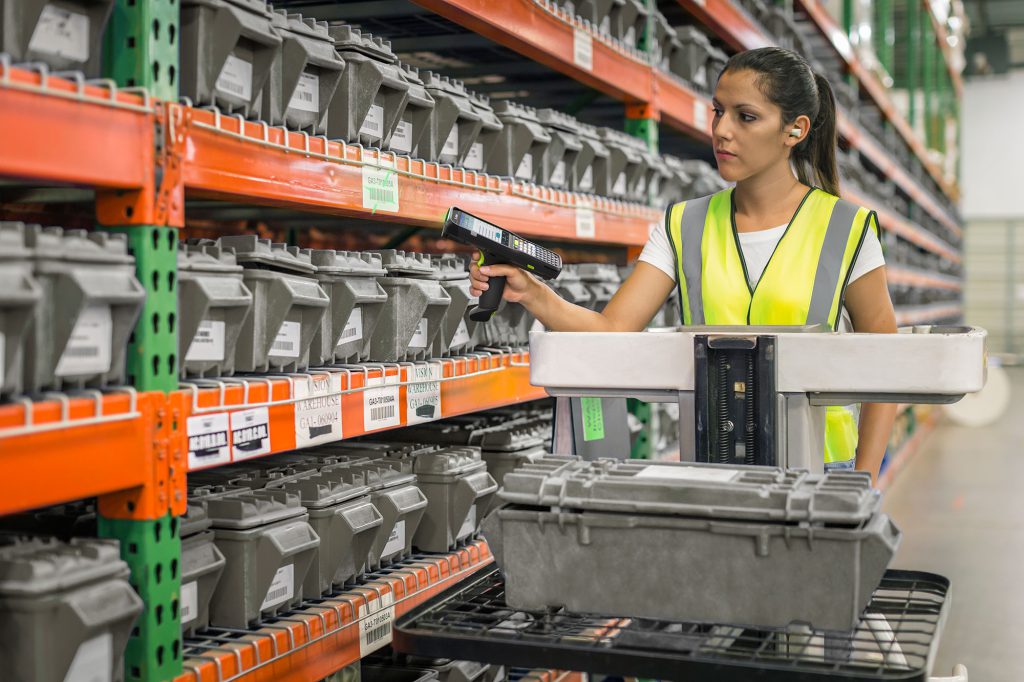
(830, 262)
(691, 234)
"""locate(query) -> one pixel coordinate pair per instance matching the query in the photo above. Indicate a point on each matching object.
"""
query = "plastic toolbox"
(593, 162)
(488, 137)
(213, 304)
(268, 547)
(89, 303)
(522, 145)
(66, 609)
(455, 123)
(751, 545)
(19, 296)
(413, 124)
(304, 77)
(228, 48)
(373, 94)
(351, 281)
(288, 305)
(416, 305)
(561, 167)
(201, 567)
(458, 333)
(65, 35)
(602, 279)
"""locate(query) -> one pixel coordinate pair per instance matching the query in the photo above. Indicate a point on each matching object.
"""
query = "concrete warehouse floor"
(960, 505)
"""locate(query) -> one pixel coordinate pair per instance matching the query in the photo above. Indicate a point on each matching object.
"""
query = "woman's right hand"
(519, 284)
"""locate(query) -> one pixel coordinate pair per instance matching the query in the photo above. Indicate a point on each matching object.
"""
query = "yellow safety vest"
(803, 283)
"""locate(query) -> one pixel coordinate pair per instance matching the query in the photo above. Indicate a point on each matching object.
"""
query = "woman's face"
(747, 130)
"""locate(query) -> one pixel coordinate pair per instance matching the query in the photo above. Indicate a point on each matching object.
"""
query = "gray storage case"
(593, 163)
(455, 123)
(66, 609)
(351, 281)
(412, 315)
(415, 120)
(19, 297)
(522, 144)
(748, 545)
(201, 567)
(602, 280)
(561, 167)
(458, 333)
(213, 304)
(66, 35)
(288, 305)
(487, 139)
(458, 491)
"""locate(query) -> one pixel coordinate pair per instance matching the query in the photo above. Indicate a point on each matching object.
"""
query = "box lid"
(206, 255)
(252, 251)
(246, 509)
(358, 263)
(41, 566)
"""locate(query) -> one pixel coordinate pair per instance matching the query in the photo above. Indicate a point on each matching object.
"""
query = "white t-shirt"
(757, 248)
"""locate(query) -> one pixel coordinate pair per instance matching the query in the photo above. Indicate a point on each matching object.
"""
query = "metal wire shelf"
(895, 640)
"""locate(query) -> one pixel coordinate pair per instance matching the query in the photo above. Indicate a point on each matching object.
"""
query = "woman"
(779, 248)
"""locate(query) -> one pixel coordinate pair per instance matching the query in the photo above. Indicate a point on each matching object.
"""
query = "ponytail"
(787, 80)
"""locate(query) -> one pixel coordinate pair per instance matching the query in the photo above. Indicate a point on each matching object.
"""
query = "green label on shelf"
(593, 419)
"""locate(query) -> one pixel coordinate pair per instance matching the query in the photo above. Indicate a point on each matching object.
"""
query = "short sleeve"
(658, 252)
(870, 256)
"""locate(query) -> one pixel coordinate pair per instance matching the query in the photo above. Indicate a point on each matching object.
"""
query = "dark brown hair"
(788, 81)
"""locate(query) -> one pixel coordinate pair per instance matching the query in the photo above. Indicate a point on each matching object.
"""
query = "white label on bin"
(89, 346)
(62, 33)
(288, 341)
(585, 227)
(620, 184)
(353, 330)
(396, 541)
(700, 115)
(375, 623)
(93, 661)
(641, 185)
(451, 145)
(282, 587)
(421, 335)
(236, 78)
(469, 525)
(3, 346)
(380, 189)
(306, 96)
(401, 139)
(525, 170)
(461, 335)
(373, 124)
(380, 405)
(188, 602)
(475, 157)
(250, 433)
(587, 181)
(583, 49)
(208, 443)
(558, 175)
(318, 420)
(423, 400)
(688, 473)
(208, 343)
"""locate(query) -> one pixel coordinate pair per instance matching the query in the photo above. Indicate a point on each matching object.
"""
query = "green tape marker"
(593, 419)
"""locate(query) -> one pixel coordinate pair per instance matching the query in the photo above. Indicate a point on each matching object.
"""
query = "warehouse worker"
(778, 249)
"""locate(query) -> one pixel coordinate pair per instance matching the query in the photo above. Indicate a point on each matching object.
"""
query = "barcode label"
(469, 525)
(208, 443)
(461, 335)
(61, 33)
(700, 115)
(250, 433)
(558, 176)
(587, 181)
(208, 343)
(188, 602)
(525, 170)
(380, 405)
(475, 157)
(88, 350)
(380, 189)
(373, 124)
(396, 541)
(401, 139)
(353, 330)
(376, 619)
(318, 420)
(287, 343)
(423, 400)
(421, 336)
(306, 96)
(451, 145)
(236, 78)
(583, 49)
(585, 227)
(282, 587)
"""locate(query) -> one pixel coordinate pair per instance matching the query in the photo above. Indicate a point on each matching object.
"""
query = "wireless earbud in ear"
(795, 132)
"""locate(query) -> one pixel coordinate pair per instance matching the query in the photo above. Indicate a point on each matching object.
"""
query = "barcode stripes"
(236, 88)
(283, 345)
(378, 633)
(382, 412)
(81, 352)
(381, 194)
(276, 594)
(349, 331)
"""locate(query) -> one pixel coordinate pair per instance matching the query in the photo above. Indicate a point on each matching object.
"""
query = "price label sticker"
(208, 440)
(318, 419)
(423, 396)
(376, 619)
(380, 405)
(583, 49)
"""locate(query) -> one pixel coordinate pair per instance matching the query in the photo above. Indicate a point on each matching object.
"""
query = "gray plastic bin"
(561, 166)
(625, 162)
(65, 35)
(412, 315)
(489, 136)
(213, 304)
(628, 21)
(228, 48)
(569, 286)
(350, 279)
(458, 333)
(304, 77)
(455, 123)
(676, 184)
(288, 305)
(756, 545)
(268, 547)
(522, 144)
(201, 567)
(19, 298)
(458, 491)
(690, 60)
(415, 120)
(89, 305)
(593, 162)
(602, 279)
(66, 610)
(706, 179)
(372, 95)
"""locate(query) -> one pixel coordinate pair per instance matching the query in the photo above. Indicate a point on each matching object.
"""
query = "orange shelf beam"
(909, 315)
(942, 37)
(890, 220)
(898, 274)
(729, 22)
(317, 641)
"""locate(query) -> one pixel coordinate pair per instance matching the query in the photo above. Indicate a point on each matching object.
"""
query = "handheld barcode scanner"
(498, 246)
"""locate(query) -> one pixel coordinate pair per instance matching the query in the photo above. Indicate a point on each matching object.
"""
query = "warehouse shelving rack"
(144, 153)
